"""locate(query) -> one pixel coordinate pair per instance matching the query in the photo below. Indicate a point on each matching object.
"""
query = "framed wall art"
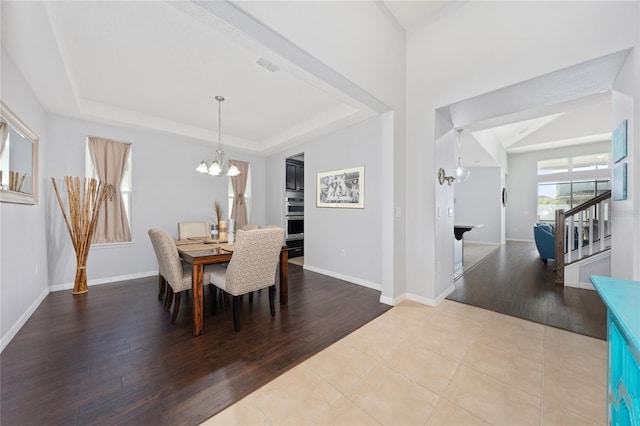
(619, 141)
(619, 187)
(341, 188)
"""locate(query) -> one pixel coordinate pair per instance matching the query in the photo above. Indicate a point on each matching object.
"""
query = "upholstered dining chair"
(252, 267)
(178, 276)
(193, 230)
(162, 281)
(249, 227)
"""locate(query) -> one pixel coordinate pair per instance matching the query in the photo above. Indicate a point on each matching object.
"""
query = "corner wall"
(330, 232)
(23, 254)
(522, 190)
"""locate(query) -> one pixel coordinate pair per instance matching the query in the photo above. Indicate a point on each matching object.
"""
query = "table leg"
(196, 292)
(284, 276)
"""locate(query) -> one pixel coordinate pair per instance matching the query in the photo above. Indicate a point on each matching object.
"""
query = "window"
(590, 162)
(574, 164)
(553, 196)
(247, 195)
(558, 165)
(576, 180)
(126, 188)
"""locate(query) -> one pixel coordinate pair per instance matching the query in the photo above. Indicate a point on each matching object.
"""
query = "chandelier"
(216, 167)
(461, 173)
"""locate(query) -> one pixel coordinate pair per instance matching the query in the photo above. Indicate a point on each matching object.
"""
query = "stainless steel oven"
(294, 227)
(295, 207)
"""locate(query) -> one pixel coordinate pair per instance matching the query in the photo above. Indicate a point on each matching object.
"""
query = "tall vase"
(222, 230)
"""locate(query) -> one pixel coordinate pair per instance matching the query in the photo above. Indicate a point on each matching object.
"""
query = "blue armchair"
(544, 235)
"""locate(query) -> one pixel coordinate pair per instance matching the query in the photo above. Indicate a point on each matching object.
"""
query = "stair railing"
(595, 213)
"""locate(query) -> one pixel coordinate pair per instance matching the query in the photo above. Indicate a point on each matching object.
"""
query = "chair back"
(249, 227)
(193, 230)
(153, 236)
(545, 240)
(255, 259)
(171, 260)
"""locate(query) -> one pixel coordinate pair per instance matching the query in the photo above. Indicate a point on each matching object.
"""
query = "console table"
(622, 298)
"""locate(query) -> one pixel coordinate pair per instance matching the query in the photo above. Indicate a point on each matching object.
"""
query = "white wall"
(476, 48)
(329, 231)
(479, 201)
(625, 214)
(522, 189)
(358, 232)
(360, 42)
(23, 275)
(166, 190)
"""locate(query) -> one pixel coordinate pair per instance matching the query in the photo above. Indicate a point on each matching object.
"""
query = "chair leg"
(169, 299)
(250, 297)
(236, 312)
(161, 285)
(272, 296)
(214, 300)
(176, 308)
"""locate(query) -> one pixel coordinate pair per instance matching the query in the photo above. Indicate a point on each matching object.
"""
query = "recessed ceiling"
(412, 13)
(158, 65)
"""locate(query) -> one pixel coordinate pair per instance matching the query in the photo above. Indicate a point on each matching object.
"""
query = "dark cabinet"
(295, 248)
(295, 175)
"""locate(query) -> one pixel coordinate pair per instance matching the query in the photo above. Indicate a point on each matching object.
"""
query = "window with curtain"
(110, 161)
(243, 179)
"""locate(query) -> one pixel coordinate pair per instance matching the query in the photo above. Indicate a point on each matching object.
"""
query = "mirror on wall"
(18, 159)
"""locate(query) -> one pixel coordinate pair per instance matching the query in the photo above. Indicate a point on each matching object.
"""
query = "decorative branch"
(218, 211)
(84, 207)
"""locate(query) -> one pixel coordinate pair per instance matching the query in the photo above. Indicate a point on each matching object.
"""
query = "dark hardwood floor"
(513, 281)
(112, 357)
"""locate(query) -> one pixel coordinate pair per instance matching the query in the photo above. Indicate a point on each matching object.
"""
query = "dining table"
(201, 253)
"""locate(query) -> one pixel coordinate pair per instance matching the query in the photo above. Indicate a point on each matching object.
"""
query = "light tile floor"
(449, 365)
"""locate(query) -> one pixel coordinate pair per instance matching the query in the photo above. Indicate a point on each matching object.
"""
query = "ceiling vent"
(267, 65)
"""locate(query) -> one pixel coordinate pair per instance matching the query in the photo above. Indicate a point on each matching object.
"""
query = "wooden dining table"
(199, 255)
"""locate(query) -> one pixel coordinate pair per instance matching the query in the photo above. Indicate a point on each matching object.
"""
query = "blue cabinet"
(622, 298)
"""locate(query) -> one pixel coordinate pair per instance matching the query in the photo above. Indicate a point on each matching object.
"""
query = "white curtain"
(110, 160)
(239, 183)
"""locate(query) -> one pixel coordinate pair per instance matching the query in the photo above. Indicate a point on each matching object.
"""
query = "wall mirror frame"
(24, 182)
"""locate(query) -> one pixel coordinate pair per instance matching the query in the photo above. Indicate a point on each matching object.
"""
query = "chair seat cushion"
(217, 276)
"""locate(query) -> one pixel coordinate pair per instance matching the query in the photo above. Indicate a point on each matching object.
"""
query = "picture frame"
(619, 187)
(619, 142)
(342, 188)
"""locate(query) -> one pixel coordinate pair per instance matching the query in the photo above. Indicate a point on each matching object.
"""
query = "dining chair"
(252, 267)
(162, 281)
(178, 276)
(194, 230)
(249, 227)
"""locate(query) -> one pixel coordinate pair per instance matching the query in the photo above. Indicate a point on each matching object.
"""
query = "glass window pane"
(551, 197)
(557, 165)
(602, 186)
(582, 192)
(590, 162)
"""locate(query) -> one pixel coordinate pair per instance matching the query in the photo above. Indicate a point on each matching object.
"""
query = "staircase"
(586, 249)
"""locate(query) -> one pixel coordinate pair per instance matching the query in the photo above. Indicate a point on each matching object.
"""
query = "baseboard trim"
(392, 301)
(98, 281)
(431, 302)
(520, 240)
(343, 277)
(22, 320)
(585, 286)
